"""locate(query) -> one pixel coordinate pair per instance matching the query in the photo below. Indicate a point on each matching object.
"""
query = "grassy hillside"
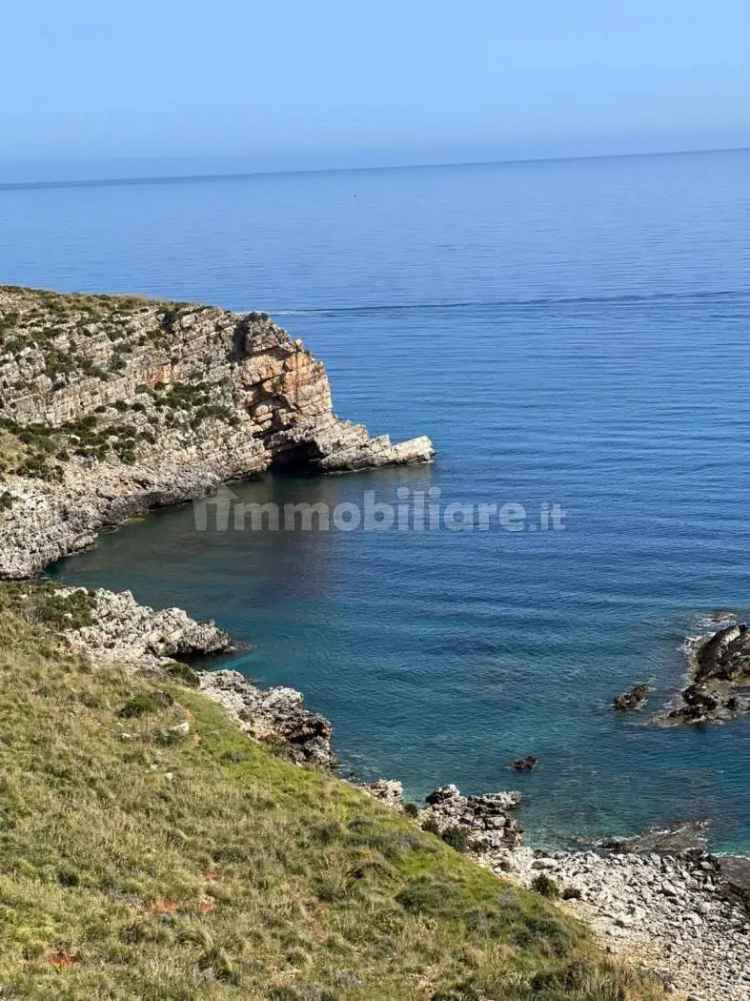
(138, 860)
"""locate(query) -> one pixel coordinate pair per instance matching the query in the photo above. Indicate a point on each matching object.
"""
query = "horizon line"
(244, 175)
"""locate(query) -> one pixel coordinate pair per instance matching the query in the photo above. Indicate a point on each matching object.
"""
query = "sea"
(573, 336)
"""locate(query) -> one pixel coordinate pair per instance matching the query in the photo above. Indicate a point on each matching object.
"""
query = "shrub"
(432, 826)
(456, 837)
(425, 895)
(545, 885)
(146, 702)
(182, 673)
(61, 611)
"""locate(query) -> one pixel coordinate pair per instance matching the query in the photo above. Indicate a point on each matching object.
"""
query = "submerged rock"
(527, 764)
(690, 836)
(721, 615)
(734, 878)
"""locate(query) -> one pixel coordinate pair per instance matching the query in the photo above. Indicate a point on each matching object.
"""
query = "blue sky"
(300, 85)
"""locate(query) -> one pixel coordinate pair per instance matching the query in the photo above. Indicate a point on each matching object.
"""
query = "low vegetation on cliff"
(54, 345)
(112, 405)
(151, 850)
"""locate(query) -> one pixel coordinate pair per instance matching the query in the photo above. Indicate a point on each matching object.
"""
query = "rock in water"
(527, 764)
(719, 688)
(633, 700)
(725, 656)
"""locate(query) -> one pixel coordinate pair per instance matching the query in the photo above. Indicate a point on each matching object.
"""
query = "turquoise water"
(571, 332)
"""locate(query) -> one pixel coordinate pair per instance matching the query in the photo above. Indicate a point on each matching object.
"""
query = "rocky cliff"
(110, 406)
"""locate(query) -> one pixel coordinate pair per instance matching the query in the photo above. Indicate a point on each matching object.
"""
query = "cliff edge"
(113, 405)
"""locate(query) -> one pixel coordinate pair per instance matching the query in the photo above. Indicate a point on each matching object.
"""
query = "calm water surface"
(572, 332)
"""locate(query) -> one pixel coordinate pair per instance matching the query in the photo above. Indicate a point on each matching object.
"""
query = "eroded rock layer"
(110, 406)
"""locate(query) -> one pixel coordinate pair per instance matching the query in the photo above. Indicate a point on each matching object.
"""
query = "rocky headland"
(111, 406)
(120, 630)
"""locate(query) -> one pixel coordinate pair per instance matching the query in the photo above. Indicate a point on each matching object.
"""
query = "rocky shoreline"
(116, 629)
(661, 900)
(273, 716)
(684, 915)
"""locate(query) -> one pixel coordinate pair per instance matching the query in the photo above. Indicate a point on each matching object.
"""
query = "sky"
(164, 87)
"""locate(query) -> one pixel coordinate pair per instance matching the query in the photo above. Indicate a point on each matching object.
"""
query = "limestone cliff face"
(110, 406)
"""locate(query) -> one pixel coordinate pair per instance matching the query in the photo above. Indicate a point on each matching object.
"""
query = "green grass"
(48, 604)
(206, 867)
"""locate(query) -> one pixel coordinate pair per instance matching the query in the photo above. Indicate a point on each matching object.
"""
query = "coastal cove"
(579, 370)
(374, 503)
(445, 700)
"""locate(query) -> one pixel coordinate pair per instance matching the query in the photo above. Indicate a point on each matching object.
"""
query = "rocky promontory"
(110, 406)
(480, 824)
(123, 631)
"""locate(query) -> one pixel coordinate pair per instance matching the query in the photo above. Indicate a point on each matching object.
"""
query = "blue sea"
(570, 332)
